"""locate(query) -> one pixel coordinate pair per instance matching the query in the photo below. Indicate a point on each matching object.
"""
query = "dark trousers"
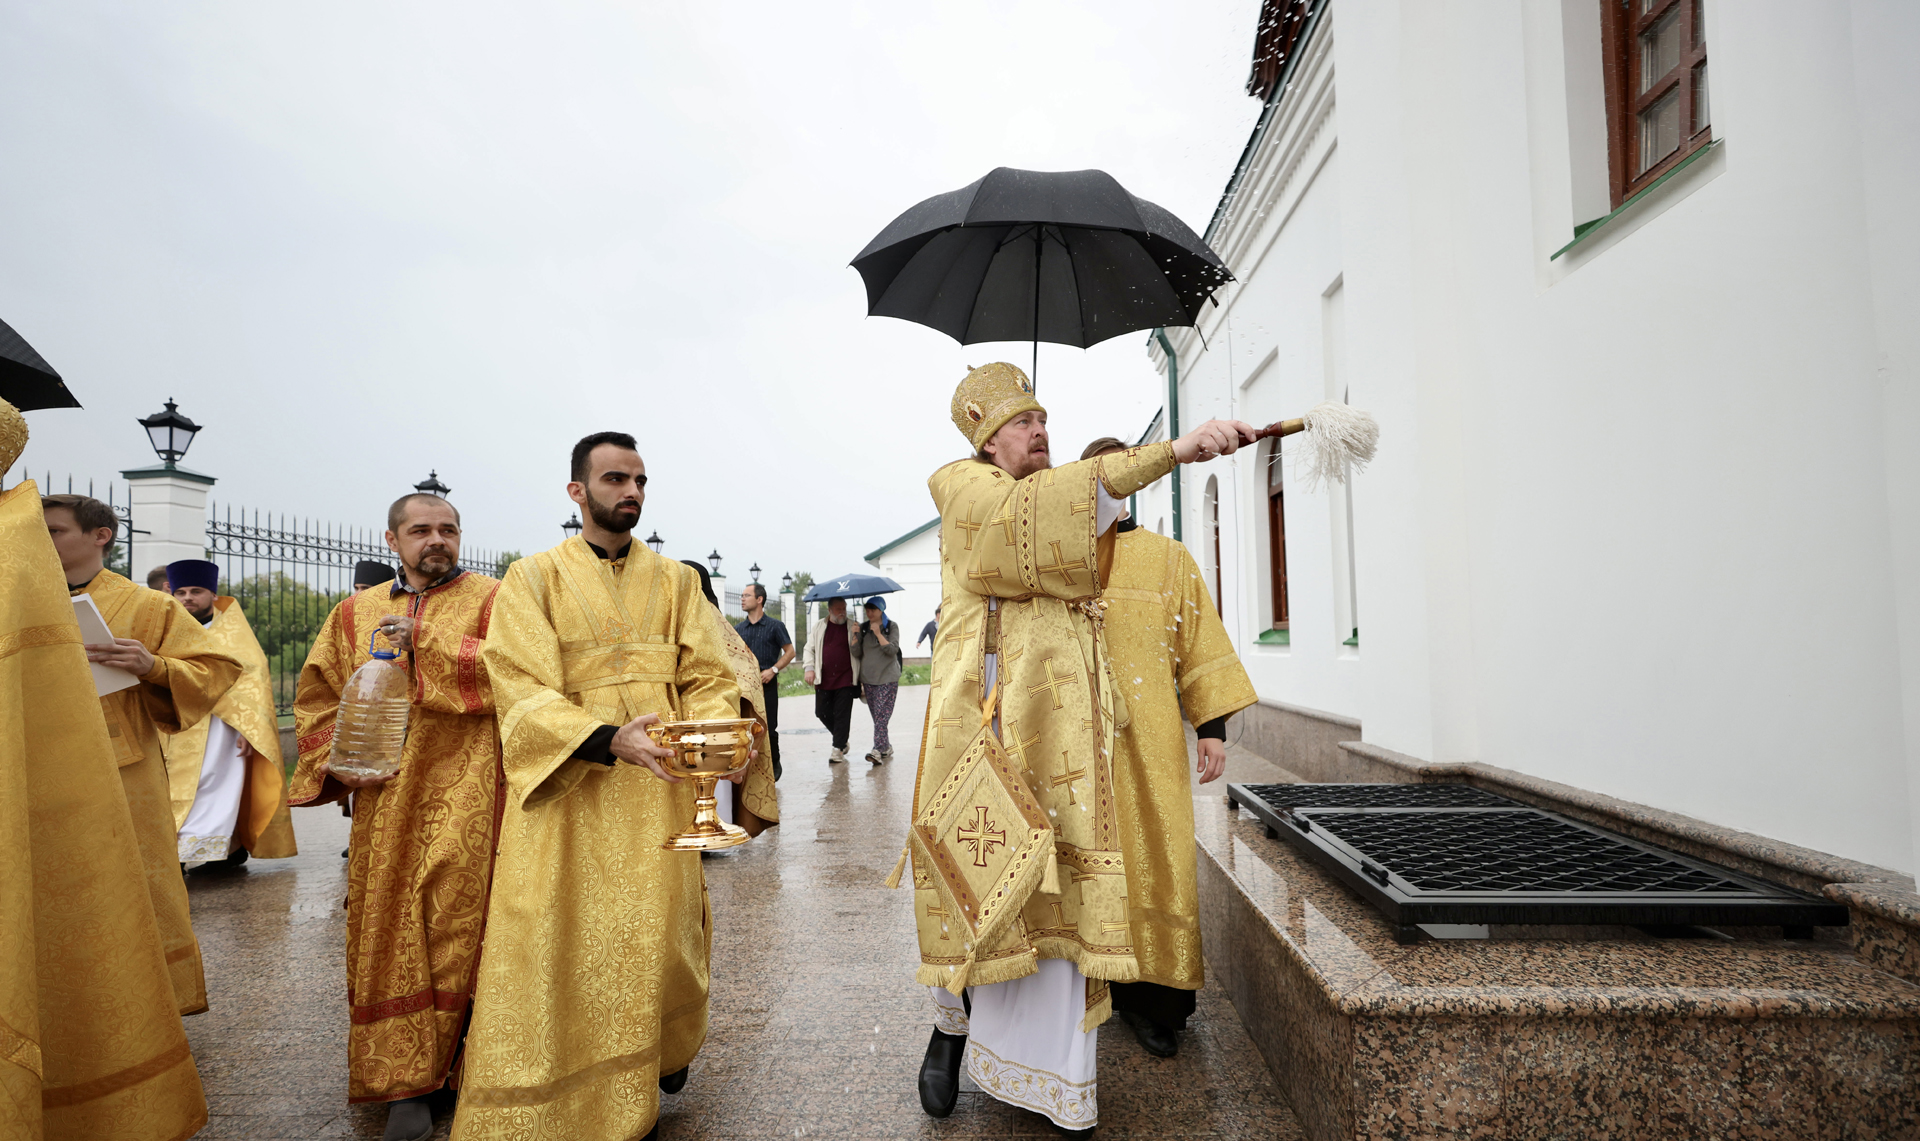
(770, 694)
(834, 708)
(1164, 1006)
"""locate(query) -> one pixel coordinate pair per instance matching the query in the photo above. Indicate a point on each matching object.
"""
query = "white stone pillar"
(169, 503)
(788, 608)
(720, 592)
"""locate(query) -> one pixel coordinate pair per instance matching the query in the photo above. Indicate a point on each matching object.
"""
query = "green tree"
(286, 615)
(506, 559)
(797, 621)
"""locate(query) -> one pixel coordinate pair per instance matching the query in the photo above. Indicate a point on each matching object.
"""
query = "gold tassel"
(1050, 882)
(893, 880)
(959, 981)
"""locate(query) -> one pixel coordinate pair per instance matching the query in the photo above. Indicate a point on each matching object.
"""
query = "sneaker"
(837, 756)
(877, 757)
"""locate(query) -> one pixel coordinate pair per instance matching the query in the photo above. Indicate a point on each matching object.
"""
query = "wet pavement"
(817, 1027)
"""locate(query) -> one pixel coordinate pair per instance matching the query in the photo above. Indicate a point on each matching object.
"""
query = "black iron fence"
(289, 573)
(120, 554)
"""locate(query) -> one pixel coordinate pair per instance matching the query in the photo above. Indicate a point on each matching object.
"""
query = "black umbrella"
(1024, 255)
(27, 381)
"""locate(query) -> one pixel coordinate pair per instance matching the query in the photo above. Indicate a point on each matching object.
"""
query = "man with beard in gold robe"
(1170, 654)
(593, 993)
(423, 837)
(229, 785)
(183, 675)
(1019, 872)
(91, 1045)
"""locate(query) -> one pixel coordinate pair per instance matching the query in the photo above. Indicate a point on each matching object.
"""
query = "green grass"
(793, 685)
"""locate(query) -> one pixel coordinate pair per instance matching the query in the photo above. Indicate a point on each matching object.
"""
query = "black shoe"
(410, 1119)
(343, 852)
(1154, 1038)
(654, 1133)
(675, 1081)
(940, 1073)
(1077, 1134)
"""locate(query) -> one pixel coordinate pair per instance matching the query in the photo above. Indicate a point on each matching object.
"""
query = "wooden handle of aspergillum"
(1281, 428)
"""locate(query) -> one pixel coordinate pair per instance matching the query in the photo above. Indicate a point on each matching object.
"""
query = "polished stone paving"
(817, 1027)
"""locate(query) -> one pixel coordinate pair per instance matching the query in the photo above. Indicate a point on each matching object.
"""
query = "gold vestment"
(422, 850)
(595, 977)
(91, 1045)
(1031, 545)
(265, 827)
(1170, 653)
(756, 800)
(190, 675)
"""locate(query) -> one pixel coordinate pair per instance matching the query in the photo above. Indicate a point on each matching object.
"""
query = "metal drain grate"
(1455, 854)
(1377, 795)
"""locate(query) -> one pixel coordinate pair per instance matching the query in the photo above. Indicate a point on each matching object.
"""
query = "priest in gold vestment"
(91, 1045)
(1018, 862)
(183, 675)
(593, 991)
(228, 782)
(1172, 656)
(423, 839)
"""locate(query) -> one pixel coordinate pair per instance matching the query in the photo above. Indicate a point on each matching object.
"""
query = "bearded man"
(1174, 656)
(1019, 873)
(183, 675)
(423, 837)
(593, 994)
(227, 780)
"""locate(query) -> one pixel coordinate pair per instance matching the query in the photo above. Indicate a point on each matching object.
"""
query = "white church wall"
(915, 565)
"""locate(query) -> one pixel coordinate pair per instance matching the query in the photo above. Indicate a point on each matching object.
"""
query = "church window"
(1656, 77)
(1211, 505)
(1277, 534)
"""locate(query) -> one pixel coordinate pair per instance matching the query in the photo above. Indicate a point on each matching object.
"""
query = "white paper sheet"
(93, 632)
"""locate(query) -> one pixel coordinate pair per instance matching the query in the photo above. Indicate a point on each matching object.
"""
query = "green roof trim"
(913, 534)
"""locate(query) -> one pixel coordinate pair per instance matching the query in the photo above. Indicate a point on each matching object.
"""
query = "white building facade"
(913, 561)
(1645, 517)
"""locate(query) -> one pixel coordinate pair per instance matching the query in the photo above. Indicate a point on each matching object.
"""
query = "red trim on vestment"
(441, 1000)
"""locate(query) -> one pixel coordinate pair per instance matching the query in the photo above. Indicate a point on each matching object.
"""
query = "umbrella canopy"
(27, 381)
(1024, 255)
(851, 586)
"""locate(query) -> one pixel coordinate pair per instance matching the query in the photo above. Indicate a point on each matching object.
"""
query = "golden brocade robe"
(190, 676)
(596, 972)
(91, 1045)
(265, 828)
(756, 800)
(1031, 545)
(423, 844)
(1170, 653)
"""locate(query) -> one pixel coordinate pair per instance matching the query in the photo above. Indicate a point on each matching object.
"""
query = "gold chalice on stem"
(705, 751)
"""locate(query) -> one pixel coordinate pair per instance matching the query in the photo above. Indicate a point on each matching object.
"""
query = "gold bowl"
(704, 752)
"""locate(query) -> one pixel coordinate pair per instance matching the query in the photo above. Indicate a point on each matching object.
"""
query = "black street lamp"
(786, 583)
(170, 432)
(713, 560)
(655, 542)
(432, 485)
(572, 526)
(754, 570)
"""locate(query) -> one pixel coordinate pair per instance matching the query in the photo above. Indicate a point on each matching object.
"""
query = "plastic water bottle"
(371, 727)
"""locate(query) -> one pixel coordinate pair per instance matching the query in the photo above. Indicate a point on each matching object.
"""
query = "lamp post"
(754, 570)
(432, 485)
(655, 542)
(713, 562)
(169, 501)
(719, 580)
(787, 611)
(572, 526)
(170, 433)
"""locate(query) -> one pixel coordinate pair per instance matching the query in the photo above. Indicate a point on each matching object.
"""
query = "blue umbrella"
(851, 586)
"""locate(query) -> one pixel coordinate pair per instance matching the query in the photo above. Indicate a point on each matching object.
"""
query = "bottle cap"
(385, 655)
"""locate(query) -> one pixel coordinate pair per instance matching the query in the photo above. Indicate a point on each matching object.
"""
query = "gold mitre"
(990, 396)
(13, 435)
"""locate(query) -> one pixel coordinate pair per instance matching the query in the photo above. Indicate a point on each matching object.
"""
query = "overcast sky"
(359, 241)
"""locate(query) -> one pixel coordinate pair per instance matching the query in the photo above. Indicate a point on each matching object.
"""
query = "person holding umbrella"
(827, 666)
(1020, 882)
(877, 662)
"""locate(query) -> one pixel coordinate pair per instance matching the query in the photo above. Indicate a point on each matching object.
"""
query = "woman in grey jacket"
(877, 662)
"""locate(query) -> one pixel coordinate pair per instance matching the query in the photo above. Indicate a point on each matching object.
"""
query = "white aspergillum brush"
(1340, 437)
